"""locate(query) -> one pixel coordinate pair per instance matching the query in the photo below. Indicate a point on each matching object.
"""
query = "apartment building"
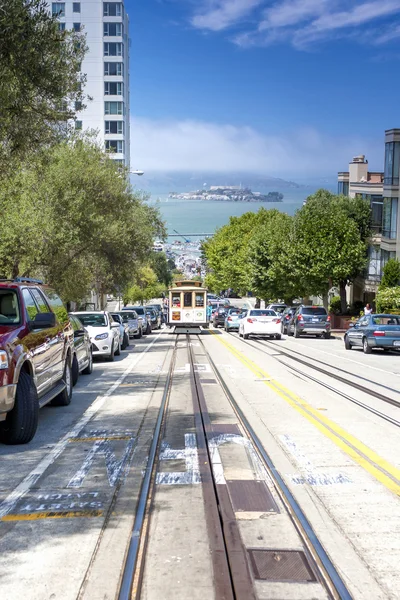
(106, 66)
(359, 181)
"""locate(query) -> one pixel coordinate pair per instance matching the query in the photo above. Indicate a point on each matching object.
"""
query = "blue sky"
(285, 87)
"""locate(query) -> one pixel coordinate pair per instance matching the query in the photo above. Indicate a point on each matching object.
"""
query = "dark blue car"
(374, 331)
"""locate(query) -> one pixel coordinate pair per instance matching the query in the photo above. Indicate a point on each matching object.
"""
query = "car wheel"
(126, 341)
(21, 423)
(110, 357)
(347, 344)
(118, 350)
(75, 370)
(367, 349)
(290, 333)
(278, 336)
(327, 335)
(296, 333)
(138, 335)
(148, 329)
(89, 369)
(246, 336)
(240, 334)
(64, 398)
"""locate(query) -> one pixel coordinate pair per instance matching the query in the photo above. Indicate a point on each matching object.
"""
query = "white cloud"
(200, 146)
(299, 22)
(221, 14)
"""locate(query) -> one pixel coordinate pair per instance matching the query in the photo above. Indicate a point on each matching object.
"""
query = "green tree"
(146, 286)
(329, 249)
(391, 274)
(388, 300)
(81, 225)
(271, 259)
(40, 78)
(226, 254)
(162, 267)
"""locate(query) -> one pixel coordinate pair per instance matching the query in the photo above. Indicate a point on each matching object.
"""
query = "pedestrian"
(209, 311)
(368, 309)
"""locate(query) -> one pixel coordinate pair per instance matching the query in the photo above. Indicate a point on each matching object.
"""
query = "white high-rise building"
(106, 66)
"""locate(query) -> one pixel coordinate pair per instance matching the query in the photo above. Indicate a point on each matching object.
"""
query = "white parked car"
(260, 321)
(104, 333)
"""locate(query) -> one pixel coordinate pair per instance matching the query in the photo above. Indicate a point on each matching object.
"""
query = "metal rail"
(328, 572)
(131, 561)
(327, 386)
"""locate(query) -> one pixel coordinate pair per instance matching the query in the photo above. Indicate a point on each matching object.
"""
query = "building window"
(112, 29)
(76, 7)
(114, 127)
(78, 105)
(61, 26)
(374, 263)
(115, 146)
(77, 27)
(343, 188)
(389, 218)
(120, 162)
(113, 49)
(112, 9)
(392, 162)
(114, 68)
(114, 108)
(58, 9)
(78, 125)
(113, 88)
(385, 256)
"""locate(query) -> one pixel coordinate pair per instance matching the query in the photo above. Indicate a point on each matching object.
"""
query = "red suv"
(36, 346)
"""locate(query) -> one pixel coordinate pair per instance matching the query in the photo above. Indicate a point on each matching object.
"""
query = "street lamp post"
(137, 172)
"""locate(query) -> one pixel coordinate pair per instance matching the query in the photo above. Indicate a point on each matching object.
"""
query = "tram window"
(199, 300)
(187, 299)
(176, 300)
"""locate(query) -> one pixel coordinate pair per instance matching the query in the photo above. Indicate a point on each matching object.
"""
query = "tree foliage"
(388, 300)
(40, 78)
(73, 219)
(146, 286)
(391, 274)
(281, 257)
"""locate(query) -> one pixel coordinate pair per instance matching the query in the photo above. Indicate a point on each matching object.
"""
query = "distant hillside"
(163, 183)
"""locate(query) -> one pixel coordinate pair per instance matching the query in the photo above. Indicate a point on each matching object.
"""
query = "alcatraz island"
(230, 193)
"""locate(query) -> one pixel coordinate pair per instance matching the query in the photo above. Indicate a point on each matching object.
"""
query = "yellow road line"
(67, 514)
(382, 470)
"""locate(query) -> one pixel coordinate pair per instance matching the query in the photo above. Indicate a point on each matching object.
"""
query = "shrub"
(357, 308)
(391, 274)
(388, 299)
(335, 305)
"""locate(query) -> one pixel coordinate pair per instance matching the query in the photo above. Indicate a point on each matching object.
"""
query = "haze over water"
(205, 216)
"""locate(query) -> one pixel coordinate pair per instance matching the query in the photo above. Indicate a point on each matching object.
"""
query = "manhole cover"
(281, 565)
(251, 496)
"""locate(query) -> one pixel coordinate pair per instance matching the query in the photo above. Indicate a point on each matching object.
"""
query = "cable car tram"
(187, 305)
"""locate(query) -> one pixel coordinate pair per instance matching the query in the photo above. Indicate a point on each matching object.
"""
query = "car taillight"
(328, 318)
(287, 317)
(229, 318)
(300, 318)
(251, 320)
(278, 321)
(379, 333)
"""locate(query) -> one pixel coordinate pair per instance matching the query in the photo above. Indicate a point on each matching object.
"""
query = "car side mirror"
(44, 321)
(351, 325)
(79, 333)
(115, 325)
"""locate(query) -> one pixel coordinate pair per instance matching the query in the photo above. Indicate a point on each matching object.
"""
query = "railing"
(389, 234)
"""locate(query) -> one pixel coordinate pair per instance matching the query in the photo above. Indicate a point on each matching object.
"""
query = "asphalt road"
(68, 499)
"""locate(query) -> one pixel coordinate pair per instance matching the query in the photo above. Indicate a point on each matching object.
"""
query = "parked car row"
(44, 349)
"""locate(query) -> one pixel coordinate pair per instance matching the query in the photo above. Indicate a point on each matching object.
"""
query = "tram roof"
(188, 284)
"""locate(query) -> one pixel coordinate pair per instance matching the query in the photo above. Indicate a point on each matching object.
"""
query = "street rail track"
(232, 574)
(359, 387)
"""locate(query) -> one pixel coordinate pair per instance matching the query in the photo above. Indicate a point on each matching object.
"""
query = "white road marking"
(30, 480)
(114, 467)
(312, 475)
(190, 455)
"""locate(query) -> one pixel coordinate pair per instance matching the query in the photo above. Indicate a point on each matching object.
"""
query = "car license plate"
(315, 320)
(396, 343)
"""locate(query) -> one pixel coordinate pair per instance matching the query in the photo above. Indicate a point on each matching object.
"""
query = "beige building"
(359, 181)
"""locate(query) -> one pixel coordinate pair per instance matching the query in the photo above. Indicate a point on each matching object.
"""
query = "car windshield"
(93, 320)
(262, 313)
(9, 309)
(233, 312)
(386, 320)
(314, 310)
(139, 310)
(128, 316)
